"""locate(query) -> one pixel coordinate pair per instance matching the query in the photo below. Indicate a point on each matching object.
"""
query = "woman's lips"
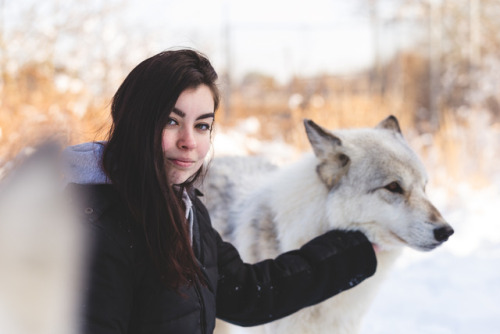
(182, 163)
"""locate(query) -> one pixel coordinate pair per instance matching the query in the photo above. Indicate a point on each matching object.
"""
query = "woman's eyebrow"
(207, 115)
(183, 114)
(179, 112)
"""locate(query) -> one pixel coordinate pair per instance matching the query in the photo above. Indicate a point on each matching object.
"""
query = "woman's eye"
(203, 126)
(394, 187)
(171, 121)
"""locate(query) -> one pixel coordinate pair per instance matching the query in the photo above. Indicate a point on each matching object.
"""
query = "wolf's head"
(376, 184)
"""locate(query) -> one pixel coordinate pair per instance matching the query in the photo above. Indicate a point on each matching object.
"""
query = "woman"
(157, 264)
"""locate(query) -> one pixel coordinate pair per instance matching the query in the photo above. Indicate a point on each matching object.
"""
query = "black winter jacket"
(125, 295)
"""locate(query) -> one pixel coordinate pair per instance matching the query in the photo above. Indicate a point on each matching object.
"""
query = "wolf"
(366, 179)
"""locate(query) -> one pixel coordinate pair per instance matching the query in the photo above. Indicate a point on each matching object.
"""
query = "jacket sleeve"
(251, 295)
(108, 298)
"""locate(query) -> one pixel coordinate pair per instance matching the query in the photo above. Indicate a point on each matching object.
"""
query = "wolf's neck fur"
(298, 197)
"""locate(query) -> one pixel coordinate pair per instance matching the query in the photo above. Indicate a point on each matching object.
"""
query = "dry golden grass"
(30, 126)
(346, 111)
(465, 149)
(461, 149)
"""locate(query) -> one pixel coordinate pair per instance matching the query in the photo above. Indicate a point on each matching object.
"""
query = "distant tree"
(468, 48)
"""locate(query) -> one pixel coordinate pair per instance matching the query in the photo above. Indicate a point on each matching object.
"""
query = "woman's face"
(186, 137)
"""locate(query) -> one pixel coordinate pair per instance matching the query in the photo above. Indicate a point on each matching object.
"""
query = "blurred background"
(434, 64)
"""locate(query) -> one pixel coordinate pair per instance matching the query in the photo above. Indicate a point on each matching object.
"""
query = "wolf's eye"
(394, 187)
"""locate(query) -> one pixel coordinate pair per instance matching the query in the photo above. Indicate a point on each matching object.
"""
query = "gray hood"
(82, 164)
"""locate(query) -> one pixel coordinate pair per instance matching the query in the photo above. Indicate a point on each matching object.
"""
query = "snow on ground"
(454, 289)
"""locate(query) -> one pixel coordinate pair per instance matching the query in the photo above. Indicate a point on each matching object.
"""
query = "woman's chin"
(179, 178)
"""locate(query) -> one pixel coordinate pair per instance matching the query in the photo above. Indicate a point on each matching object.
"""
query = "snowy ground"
(452, 290)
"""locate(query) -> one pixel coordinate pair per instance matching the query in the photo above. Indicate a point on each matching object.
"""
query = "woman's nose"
(186, 139)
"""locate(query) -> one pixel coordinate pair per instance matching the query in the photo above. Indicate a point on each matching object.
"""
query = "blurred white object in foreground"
(41, 249)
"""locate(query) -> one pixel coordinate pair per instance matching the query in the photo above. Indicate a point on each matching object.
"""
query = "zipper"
(203, 320)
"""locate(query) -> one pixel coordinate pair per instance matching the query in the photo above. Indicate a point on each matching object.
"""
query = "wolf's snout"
(443, 233)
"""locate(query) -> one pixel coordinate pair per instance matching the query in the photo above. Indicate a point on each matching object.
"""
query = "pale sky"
(279, 37)
(282, 38)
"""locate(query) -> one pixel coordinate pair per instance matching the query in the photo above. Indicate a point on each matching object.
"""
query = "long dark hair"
(133, 157)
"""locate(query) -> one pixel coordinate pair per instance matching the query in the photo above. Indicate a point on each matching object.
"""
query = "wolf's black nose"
(443, 233)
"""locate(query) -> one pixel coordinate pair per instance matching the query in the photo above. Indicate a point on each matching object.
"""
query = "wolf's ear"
(333, 163)
(320, 139)
(390, 123)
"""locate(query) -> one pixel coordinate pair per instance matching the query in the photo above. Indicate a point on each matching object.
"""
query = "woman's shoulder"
(100, 208)
(92, 200)
(99, 204)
